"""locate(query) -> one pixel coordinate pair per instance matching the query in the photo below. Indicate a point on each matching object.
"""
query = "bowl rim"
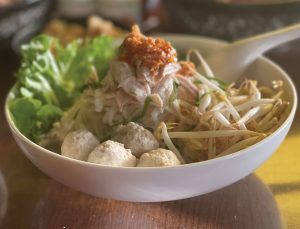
(236, 154)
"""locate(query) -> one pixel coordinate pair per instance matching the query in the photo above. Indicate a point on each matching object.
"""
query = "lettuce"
(32, 118)
(52, 76)
(24, 112)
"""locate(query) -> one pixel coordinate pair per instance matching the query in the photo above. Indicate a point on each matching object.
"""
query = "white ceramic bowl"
(166, 183)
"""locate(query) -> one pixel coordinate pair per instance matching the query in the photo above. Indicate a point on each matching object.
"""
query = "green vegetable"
(135, 118)
(197, 82)
(143, 112)
(223, 84)
(174, 94)
(32, 118)
(52, 76)
(47, 115)
(24, 112)
(199, 98)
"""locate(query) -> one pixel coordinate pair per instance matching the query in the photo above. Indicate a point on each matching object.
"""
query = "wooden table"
(29, 199)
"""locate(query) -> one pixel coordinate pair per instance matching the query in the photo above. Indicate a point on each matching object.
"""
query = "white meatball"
(136, 138)
(112, 153)
(158, 158)
(78, 144)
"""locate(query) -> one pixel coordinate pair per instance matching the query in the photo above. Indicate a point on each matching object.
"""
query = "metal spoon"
(230, 62)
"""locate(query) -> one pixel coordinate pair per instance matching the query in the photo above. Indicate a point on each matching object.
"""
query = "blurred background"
(229, 20)
(224, 19)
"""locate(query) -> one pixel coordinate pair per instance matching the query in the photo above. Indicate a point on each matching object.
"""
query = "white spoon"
(230, 62)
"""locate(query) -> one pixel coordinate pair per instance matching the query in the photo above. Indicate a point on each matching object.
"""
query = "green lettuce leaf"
(52, 76)
(24, 111)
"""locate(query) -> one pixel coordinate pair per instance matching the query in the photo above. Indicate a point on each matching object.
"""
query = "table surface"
(270, 198)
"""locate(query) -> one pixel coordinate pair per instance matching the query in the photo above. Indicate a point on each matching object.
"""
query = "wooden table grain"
(30, 199)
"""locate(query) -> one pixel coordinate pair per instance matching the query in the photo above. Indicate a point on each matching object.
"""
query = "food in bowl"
(137, 104)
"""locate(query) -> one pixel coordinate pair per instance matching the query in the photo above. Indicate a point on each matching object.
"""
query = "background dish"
(22, 20)
(230, 20)
(162, 184)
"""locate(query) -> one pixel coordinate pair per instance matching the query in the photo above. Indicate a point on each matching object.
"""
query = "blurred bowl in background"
(230, 19)
(22, 20)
